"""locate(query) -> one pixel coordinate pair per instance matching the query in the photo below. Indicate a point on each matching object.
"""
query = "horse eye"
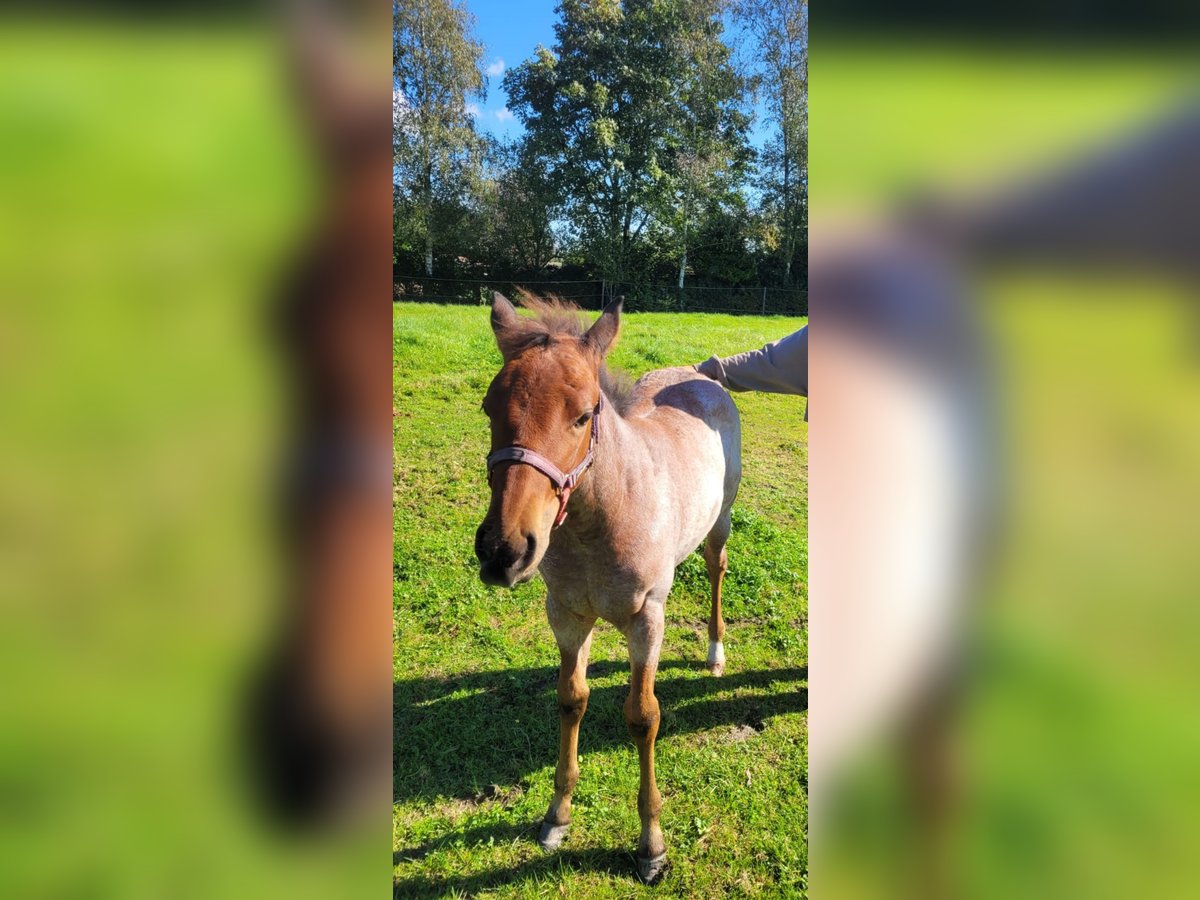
(583, 420)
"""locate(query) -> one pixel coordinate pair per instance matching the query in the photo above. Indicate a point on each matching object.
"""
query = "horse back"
(690, 408)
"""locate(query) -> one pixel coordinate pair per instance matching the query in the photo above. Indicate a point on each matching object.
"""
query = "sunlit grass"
(475, 668)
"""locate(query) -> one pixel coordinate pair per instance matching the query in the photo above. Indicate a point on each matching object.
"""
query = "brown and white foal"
(649, 471)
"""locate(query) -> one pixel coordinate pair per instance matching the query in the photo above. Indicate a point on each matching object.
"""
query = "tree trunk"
(626, 225)
(429, 219)
(789, 248)
(687, 209)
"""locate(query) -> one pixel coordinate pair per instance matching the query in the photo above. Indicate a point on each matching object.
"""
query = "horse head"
(543, 407)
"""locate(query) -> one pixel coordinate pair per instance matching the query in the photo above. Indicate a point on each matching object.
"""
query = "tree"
(779, 31)
(628, 114)
(711, 150)
(516, 211)
(721, 239)
(436, 67)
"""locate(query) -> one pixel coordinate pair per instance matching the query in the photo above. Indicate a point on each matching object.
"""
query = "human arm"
(780, 367)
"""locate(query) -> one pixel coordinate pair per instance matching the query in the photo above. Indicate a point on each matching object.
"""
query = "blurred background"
(165, 170)
(1002, 207)
(1006, 427)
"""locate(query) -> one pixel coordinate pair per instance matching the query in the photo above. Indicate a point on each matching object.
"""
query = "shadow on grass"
(500, 833)
(481, 736)
(613, 862)
(456, 737)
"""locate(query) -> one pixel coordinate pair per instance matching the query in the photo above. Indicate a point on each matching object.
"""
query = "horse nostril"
(530, 549)
(481, 552)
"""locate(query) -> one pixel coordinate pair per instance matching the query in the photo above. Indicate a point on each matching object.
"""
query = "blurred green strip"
(153, 182)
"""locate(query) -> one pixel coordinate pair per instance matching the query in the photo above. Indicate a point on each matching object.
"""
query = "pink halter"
(564, 482)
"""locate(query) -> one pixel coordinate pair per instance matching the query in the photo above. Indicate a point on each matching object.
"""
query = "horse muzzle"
(505, 563)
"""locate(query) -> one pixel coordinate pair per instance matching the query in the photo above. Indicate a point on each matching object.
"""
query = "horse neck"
(602, 487)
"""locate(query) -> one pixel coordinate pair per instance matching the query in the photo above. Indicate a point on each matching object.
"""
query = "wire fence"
(744, 300)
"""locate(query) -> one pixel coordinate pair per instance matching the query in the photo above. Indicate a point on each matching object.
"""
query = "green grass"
(1079, 730)
(475, 667)
(155, 178)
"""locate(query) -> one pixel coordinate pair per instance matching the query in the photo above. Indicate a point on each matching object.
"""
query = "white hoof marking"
(716, 654)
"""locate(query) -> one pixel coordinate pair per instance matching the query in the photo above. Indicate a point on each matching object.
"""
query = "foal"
(650, 471)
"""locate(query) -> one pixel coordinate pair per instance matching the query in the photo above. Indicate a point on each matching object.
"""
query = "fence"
(746, 300)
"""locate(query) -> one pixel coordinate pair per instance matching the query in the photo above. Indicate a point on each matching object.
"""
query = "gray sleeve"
(780, 367)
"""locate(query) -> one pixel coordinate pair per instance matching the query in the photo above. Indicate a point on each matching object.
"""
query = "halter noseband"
(564, 482)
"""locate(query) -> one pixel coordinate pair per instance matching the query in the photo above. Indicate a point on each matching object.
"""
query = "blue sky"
(510, 31)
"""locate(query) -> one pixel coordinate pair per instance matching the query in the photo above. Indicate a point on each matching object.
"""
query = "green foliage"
(634, 115)
(779, 30)
(517, 208)
(721, 248)
(635, 165)
(475, 667)
(435, 68)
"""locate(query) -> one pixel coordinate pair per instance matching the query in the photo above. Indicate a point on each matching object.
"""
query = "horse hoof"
(652, 870)
(716, 658)
(552, 836)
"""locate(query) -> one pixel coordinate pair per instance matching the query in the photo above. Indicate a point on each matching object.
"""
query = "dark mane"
(554, 317)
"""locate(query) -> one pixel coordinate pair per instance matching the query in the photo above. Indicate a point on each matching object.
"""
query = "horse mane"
(553, 317)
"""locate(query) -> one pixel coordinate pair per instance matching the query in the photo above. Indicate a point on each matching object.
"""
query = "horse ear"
(603, 334)
(504, 316)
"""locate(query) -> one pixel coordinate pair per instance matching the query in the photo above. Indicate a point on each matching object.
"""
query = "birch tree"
(436, 69)
(779, 34)
(711, 150)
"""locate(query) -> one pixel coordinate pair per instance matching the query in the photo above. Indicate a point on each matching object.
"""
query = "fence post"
(603, 292)
(764, 301)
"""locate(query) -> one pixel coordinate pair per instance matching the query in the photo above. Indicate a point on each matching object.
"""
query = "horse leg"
(715, 560)
(574, 636)
(931, 763)
(641, 715)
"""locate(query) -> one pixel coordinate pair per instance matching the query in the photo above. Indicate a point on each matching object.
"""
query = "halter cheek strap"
(564, 482)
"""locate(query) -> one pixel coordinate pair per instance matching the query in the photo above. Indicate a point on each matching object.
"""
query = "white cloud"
(496, 68)
(504, 114)
(473, 110)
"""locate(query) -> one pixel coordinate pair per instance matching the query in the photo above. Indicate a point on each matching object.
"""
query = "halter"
(564, 482)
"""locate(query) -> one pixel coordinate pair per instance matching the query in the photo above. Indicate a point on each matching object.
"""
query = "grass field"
(475, 667)
(1080, 734)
